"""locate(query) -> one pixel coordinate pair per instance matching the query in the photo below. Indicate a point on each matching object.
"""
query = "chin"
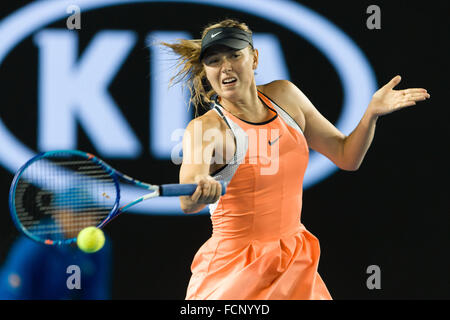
(229, 93)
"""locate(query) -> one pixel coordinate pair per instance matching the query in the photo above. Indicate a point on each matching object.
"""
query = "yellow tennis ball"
(90, 239)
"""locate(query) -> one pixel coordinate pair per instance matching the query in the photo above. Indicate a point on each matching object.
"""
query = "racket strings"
(57, 197)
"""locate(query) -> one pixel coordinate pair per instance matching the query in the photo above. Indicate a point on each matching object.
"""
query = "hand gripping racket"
(56, 194)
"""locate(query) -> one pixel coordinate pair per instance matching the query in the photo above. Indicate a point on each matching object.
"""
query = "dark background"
(390, 213)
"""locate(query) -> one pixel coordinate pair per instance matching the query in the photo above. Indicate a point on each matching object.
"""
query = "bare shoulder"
(213, 132)
(286, 95)
(283, 92)
(209, 120)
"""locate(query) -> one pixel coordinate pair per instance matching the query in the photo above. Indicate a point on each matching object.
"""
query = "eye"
(210, 62)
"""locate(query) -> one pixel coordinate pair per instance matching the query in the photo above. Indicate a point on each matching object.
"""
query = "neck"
(246, 105)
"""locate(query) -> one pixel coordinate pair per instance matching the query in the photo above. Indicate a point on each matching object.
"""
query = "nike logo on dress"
(215, 34)
(271, 143)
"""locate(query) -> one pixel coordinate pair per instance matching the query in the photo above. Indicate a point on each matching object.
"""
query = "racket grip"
(176, 190)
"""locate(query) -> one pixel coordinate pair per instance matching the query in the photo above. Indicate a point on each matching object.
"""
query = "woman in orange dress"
(257, 139)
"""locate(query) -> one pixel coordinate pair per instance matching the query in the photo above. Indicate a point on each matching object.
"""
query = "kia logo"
(56, 103)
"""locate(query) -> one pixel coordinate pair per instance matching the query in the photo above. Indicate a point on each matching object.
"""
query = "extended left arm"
(347, 152)
(356, 144)
(384, 101)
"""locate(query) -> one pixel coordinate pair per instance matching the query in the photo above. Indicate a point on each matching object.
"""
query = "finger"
(394, 82)
(213, 191)
(406, 104)
(416, 97)
(197, 194)
(415, 90)
(205, 191)
(414, 93)
(420, 97)
(199, 190)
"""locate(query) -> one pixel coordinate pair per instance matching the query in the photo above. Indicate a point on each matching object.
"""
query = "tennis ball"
(90, 239)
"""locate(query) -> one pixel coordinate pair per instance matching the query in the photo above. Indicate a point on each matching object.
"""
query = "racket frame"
(156, 190)
(18, 175)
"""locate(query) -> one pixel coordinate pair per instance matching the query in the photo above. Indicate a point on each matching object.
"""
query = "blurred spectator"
(37, 271)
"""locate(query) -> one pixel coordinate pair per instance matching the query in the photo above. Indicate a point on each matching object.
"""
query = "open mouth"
(229, 81)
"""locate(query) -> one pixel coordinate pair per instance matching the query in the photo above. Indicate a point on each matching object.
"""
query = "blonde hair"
(192, 71)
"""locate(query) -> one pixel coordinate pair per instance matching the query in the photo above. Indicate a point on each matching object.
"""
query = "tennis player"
(259, 249)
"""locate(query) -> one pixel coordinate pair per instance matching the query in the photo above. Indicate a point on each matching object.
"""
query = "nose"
(226, 65)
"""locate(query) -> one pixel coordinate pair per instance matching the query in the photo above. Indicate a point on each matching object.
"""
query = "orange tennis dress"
(259, 249)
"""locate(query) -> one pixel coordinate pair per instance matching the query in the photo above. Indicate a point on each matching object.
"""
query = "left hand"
(387, 100)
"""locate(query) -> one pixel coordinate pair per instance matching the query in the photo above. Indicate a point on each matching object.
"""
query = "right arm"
(197, 155)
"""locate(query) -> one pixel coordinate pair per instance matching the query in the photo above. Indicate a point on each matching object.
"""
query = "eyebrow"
(212, 53)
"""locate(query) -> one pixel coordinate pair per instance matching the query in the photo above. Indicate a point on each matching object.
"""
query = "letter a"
(374, 281)
(73, 21)
(74, 281)
(374, 21)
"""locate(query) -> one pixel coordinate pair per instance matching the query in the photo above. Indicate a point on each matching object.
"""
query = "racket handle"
(176, 190)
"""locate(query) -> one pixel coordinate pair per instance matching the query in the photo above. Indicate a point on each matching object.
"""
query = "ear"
(255, 59)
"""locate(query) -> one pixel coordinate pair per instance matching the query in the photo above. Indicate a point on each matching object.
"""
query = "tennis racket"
(56, 194)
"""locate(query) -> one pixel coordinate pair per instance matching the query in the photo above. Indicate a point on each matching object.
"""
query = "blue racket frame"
(18, 175)
(165, 190)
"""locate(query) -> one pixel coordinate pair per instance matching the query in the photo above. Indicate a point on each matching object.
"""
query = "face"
(229, 71)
